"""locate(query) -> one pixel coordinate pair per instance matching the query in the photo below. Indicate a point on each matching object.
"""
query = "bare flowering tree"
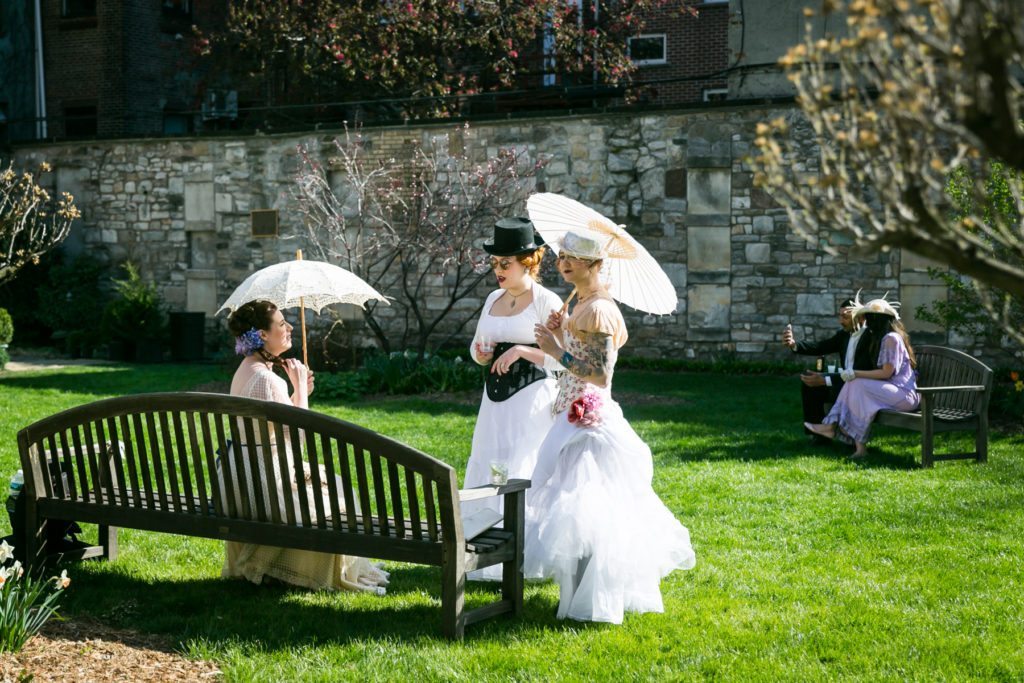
(915, 109)
(31, 221)
(411, 226)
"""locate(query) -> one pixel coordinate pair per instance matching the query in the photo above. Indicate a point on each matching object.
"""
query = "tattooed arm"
(596, 361)
(591, 366)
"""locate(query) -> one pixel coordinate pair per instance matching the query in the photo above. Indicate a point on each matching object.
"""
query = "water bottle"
(17, 482)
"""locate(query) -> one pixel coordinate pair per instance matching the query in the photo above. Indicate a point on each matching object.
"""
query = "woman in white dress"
(262, 335)
(515, 410)
(593, 521)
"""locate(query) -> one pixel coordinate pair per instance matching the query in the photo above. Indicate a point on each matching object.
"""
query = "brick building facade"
(124, 67)
(120, 68)
(693, 48)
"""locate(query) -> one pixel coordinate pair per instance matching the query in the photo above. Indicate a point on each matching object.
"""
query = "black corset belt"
(520, 374)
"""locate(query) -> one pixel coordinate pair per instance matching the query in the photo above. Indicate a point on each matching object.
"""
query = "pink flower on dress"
(584, 411)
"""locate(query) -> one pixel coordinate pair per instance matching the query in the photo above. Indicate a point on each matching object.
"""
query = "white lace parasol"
(310, 284)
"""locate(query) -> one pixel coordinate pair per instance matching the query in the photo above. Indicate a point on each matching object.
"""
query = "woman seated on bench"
(262, 335)
(893, 386)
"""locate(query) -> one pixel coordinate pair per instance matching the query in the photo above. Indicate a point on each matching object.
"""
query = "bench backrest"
(938, 366)
(168, 455)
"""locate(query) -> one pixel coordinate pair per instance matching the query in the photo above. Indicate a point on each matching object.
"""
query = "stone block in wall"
(199, 206)
(202, 249)
(708, 249)
(816, 304)
(223, 202)
(709, 145)
(652, 184)
(676, 273)
(708, 191)
(707, 306)
(912, 296)
(758, 252)
(201, 291)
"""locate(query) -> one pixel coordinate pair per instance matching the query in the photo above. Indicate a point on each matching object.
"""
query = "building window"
(648, 49)
(716, 94)
(264, 222)
(71, 9)
(177, 9)
(80, 121)
(177, 123)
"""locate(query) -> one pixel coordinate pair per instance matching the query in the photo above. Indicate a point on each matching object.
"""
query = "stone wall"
(678, 180)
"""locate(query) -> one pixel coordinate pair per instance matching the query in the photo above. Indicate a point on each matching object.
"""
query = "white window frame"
(713, 91)
(649, 62)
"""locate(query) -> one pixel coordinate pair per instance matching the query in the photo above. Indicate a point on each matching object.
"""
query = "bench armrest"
(489, 490)
(935, 390)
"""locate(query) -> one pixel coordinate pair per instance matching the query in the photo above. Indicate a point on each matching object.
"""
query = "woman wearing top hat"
(892, 385)
(515, 411)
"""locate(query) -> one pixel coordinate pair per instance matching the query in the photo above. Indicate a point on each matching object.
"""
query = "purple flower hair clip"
(247, 342)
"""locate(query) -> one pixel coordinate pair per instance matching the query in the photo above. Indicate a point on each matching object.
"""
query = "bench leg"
(981, 440)
(927, 434)
(512, 571)
(33, 535)
(453, 598)
(108, 539)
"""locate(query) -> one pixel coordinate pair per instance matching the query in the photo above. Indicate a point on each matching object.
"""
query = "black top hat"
(514, 236)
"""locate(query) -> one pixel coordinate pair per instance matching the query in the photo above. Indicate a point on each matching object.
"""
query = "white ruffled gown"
(510, 431)
(594, 523)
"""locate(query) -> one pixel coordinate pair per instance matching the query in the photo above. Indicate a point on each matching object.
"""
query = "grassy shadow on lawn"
(279, 617)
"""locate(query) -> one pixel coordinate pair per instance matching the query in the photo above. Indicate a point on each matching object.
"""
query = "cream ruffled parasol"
(630, 273)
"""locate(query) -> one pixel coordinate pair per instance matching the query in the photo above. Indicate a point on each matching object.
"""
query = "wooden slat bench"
(150, 462)
(955, 390)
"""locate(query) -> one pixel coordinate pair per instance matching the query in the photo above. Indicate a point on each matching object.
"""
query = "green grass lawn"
(809, 566)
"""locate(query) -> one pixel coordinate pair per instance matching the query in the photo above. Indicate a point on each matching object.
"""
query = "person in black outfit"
(821, 388)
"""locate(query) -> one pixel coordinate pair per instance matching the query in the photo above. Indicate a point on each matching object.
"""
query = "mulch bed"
(84, 650)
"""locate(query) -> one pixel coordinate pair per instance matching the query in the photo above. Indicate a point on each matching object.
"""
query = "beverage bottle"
(819, 364)
(17, 482)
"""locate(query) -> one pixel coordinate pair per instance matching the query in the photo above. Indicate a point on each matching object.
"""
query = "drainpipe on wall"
(40, 77)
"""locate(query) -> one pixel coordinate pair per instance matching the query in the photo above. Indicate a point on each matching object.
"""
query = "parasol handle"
(565, 306)
(302, 317)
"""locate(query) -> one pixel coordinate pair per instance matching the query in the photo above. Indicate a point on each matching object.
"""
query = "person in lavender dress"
(891, 386)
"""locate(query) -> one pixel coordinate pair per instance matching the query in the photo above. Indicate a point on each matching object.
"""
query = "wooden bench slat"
(345, 458)
(274, 492)
(141, 451)
(171, 473)
(154, 455)
(129, 454)
(332, 481)
(316, 483)
(290, 513)
(197, 460)
(299, 474)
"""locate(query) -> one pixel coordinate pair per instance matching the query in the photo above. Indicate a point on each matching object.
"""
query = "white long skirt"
(508, 432)
(595, 525)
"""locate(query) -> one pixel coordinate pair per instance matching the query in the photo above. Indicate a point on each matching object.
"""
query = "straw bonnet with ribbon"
(630, 273)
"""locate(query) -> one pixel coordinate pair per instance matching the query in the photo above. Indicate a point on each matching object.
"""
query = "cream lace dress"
(298, 567)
